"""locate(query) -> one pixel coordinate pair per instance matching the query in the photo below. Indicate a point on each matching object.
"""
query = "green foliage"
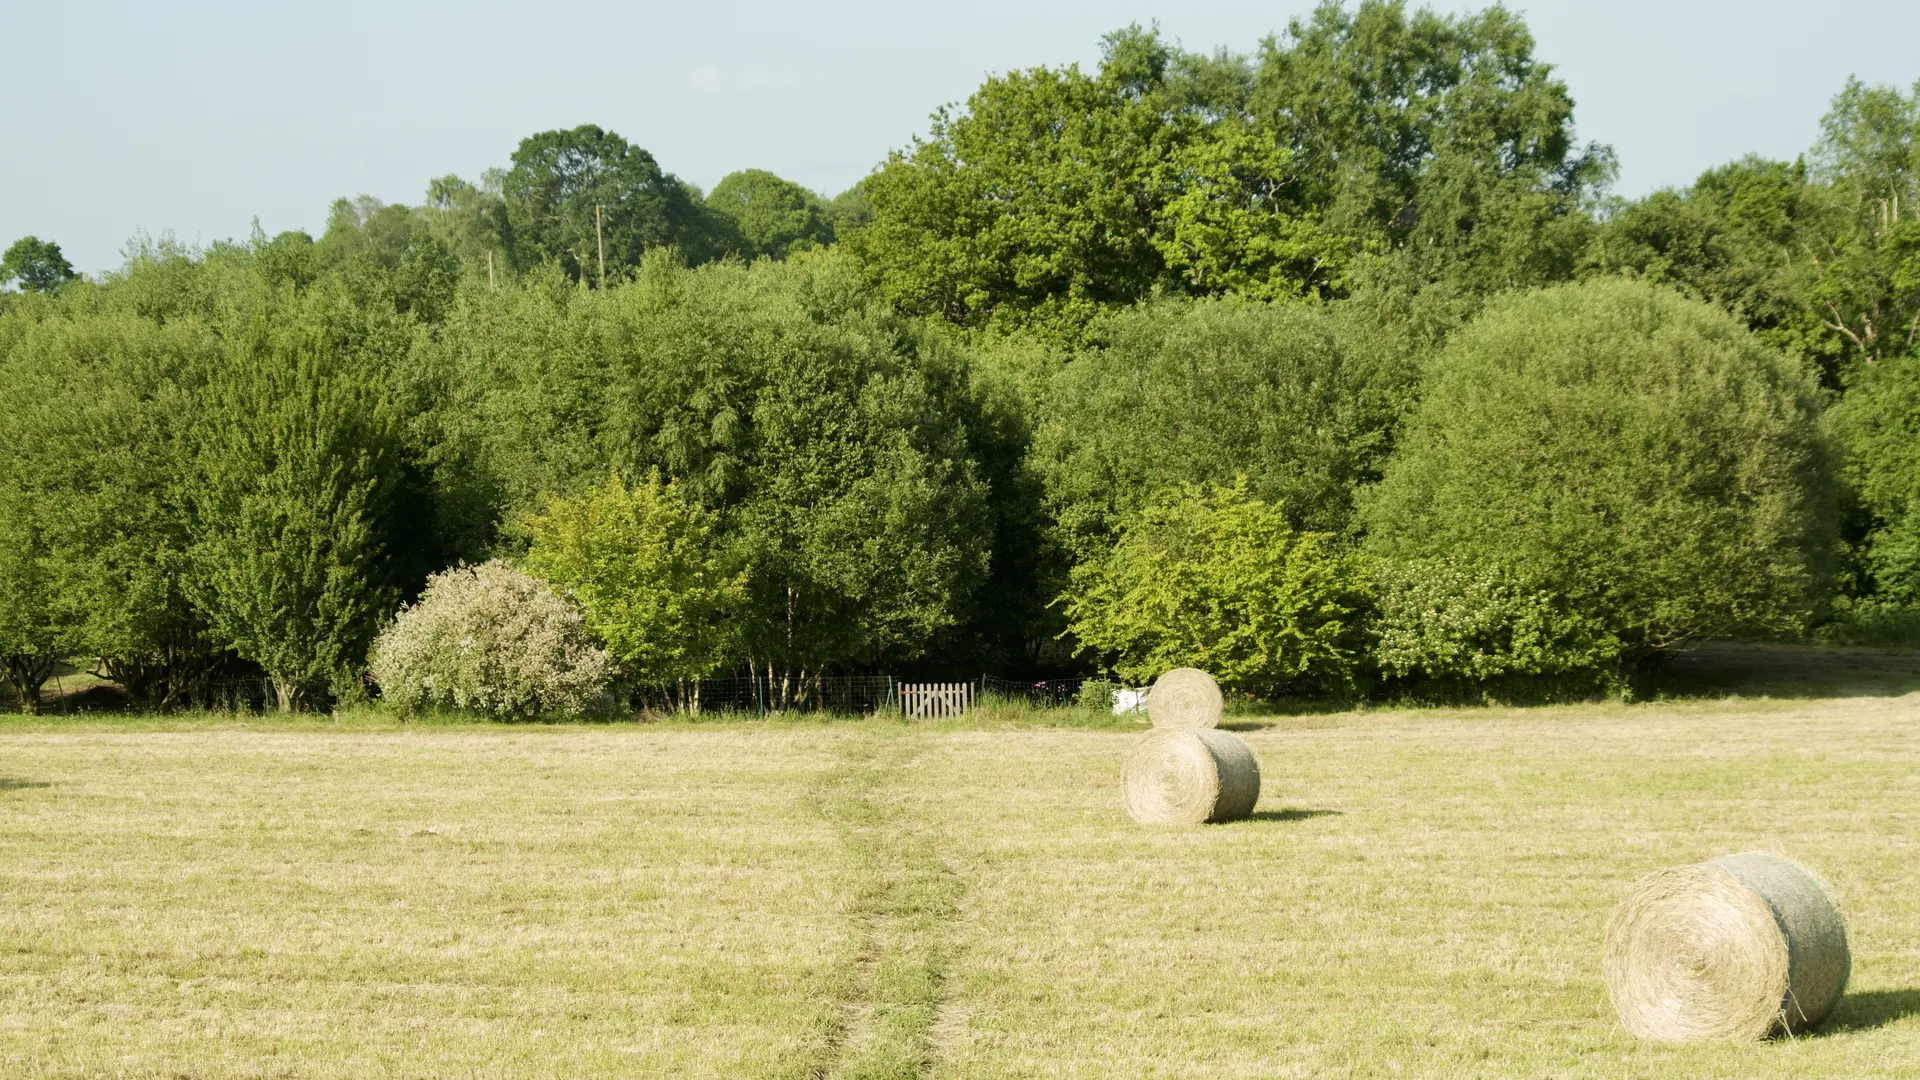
(849, 210)
(1867, 287)
(471, 220)
(31, 634)
(1297, 399)
(1822, 261)
(1878, 424)
(1437, 141)
(559, 177)
(1447, 629)
(1635, 454)
(1734, 238)
(1438, 137)
(100, 456)
(1217, 579)
(418, 266)
(830, 435)
(644, 564)
(896, 421)
(1056, 194)
(36, 264)
(491, 639)
(296, 465)
(772, 217)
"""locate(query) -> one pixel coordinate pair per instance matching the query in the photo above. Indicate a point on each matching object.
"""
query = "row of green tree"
(1328, 366)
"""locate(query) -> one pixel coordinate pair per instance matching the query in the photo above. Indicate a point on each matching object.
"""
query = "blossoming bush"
(492, 639)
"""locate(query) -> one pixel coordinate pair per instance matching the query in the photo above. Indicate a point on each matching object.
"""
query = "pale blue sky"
(195, 118)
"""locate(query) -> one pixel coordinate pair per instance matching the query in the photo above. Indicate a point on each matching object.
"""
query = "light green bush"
(643, 564)
(1216, 579)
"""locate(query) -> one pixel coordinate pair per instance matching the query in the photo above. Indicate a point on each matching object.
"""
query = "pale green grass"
(1421, 893)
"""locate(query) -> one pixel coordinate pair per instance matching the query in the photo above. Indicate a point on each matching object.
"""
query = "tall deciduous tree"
(1056, 194)
(36, 264)
(296, 467)
(1437, 140)
(770, 216)
(829, 434)
(559, 177)
(1440, 136)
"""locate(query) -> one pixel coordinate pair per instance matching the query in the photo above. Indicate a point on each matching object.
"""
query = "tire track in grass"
(903, 899)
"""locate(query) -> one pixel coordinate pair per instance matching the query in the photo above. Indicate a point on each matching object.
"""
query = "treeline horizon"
(1189, 358)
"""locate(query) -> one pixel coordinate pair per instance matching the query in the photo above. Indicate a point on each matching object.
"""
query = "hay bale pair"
(1185, 771)
(1744, 947)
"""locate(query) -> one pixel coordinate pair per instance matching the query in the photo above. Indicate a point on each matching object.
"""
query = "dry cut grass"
(1419, 893)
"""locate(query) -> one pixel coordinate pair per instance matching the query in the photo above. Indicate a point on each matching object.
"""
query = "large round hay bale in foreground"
(1738, 948)
(1185, 698)
(1176, 777)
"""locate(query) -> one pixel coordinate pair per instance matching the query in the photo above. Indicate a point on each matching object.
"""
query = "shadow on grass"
(1871, 1009)
(8, 783)
(1723, 668)
(1291, 815)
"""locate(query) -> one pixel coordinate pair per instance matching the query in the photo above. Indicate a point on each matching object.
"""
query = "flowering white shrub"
(492, 639)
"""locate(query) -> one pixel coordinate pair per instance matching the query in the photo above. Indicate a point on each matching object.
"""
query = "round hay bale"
(1176, 777)
(1186, 698)
(1738, 948)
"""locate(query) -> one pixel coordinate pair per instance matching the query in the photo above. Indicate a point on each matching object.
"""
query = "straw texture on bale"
(1176, 777)
(1185, 698)
(1743, 947)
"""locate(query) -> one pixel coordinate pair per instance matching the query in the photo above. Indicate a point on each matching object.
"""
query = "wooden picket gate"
(935, 701)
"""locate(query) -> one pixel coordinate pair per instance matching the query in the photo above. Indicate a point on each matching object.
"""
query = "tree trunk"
(286, 693)
(26, 673)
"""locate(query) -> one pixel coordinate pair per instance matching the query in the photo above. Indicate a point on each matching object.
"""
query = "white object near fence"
(934, 701)
(1129, 701)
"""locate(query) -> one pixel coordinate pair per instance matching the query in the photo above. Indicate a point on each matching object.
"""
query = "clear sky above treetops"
(195, 118)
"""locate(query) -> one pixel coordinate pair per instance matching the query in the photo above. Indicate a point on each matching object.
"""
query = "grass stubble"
(1419, 893)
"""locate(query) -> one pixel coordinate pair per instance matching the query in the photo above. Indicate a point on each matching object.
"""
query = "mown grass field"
(1421, 893)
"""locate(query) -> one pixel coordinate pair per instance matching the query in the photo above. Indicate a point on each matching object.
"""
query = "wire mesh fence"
(764, 695)
(851, 695)
(758, 694)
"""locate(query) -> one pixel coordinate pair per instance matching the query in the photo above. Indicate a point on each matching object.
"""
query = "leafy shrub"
(1444, 629)
(492, 639)
(1216, 579)
(642, 562)
(1637, 455)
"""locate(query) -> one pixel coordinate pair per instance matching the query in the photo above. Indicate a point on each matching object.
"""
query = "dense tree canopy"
(1288, 398)
(1328, 363)
(1436, 139)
